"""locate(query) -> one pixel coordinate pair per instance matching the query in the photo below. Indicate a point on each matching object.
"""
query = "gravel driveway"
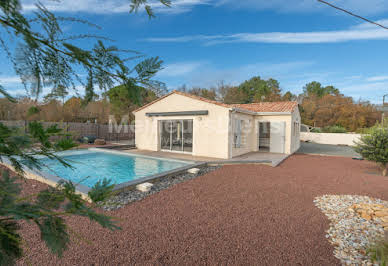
(238, 214)
(325, 149)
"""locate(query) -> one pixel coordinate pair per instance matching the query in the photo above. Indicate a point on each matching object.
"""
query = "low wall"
(330, 138)
(83, 129)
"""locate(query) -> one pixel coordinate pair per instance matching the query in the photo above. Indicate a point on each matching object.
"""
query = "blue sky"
(203, 42)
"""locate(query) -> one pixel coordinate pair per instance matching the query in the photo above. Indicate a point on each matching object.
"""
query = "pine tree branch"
(352, 14)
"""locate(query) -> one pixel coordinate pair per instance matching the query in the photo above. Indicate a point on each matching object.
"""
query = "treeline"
(118, 101)
(320, 106)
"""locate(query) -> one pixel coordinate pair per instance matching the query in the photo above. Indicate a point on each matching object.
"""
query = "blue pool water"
(91, 166)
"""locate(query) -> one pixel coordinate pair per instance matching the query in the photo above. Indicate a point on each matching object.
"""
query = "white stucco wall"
(251, 134)
(213, 134)
(330, 138)
(210, 132)
(285, 118)
(295, 132)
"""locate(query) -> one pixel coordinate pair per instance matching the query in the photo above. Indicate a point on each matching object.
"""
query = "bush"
(379, 253)
(334, 129)
(316, 130)
(373, 146)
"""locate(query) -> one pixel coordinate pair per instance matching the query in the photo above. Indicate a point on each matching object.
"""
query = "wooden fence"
(107, 132)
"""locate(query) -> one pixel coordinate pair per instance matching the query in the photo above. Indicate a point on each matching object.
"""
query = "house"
(184, 123)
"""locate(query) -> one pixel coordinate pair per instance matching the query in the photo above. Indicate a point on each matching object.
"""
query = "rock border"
(349, 233)
(130, 195)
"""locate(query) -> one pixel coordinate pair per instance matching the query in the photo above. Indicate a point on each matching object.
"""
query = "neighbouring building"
(184, 123)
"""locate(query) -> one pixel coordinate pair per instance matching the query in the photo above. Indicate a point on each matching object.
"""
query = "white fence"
(330, 138)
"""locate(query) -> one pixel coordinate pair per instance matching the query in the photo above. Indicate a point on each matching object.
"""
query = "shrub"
(374, 147)
(379, 253)
(316, 130)
(334, 129)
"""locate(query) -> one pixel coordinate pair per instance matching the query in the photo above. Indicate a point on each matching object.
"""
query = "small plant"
(334, 129)
(316, 130)
(374, 147)
(378, 253)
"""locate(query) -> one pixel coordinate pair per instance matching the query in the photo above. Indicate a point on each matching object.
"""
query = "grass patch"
(378, 253)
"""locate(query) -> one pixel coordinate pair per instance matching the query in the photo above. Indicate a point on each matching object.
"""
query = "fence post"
(25, 126)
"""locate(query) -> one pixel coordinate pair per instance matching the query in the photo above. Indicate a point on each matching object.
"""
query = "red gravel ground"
(238, 214)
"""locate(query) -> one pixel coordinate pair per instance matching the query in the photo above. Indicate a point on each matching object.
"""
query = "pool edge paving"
(83, 190)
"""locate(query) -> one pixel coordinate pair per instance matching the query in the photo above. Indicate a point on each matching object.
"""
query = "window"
(176, 135)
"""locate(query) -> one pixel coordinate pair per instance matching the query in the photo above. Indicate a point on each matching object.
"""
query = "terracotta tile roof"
(254, 107)
(268, 106)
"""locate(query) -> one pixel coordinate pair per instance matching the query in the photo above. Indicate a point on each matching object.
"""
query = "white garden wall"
(330, 138)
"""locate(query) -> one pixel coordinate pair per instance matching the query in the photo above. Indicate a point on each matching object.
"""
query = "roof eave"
(259, 113)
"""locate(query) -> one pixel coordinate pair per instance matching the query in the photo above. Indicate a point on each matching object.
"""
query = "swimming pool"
(92, 165)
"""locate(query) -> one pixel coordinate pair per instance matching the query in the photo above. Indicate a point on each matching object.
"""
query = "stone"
(99, 142)
(377, 207)
(366, 216)
(193, 171)
(144, 187)
(381, 213)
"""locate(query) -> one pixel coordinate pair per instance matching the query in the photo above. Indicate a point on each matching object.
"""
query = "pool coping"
(53, 180)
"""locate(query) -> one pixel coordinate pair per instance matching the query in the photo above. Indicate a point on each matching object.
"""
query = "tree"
(254, 90)
(315, 88)
(289, 96)
(338, 110)
(58, 92)
(50, 206)
(124, 100)
(53, 59)
(46, 57)
(204, 93)
(235, 95)
(72, 108)
(373, 146)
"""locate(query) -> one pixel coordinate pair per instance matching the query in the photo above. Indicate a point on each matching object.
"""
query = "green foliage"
(334, 129)
(47, 210)
(101, 190)
(53, 232)
(374, 147)
(316, 130)
(210, 94)
(136, 4)
(10, 242)
(60, 92)
(65, 144)
(379, 253)
(125, 98)
(33, 110)
(316, 89)
(51, 205)
(254, 90)
(259, 90)
(46, 58)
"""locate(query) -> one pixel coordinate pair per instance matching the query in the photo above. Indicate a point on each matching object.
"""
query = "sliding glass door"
(176, 135)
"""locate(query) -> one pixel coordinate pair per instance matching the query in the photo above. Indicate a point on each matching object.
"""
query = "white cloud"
(207, 75)
(370, 91)
(111, 6)
(179, 69)
(356, 33)
(358, 6)
(10, 80)
(377, 78)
